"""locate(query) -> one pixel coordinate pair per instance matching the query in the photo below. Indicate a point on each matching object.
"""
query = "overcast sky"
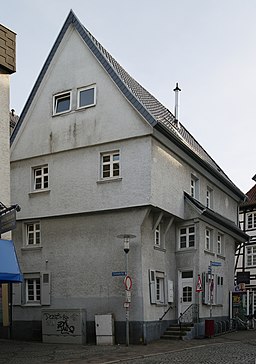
(208, 46)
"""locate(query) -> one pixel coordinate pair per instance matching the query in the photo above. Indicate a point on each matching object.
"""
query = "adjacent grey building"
(94, 155)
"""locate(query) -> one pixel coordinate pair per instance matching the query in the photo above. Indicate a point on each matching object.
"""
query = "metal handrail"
(191, 311)
(165, 312)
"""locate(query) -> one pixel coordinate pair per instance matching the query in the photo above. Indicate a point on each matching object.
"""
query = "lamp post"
(126, 239)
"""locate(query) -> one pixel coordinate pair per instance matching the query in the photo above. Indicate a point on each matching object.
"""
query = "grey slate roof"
(214, 216)
(146, 104)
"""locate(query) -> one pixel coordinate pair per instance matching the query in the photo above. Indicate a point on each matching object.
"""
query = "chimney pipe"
(176, 90)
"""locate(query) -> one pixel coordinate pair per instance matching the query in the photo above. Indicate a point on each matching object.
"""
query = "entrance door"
(186, 291)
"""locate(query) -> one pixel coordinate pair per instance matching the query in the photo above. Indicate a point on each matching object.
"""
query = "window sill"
(183, 250)
(36, 192)
(81, 108)
(31, 305)
(159, 304)
(114, 179)
(156, 247)
(29, 248)
(62, 113)
(221, 256)
(209, 252)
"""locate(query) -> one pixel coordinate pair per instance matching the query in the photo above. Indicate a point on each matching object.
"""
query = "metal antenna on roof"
(176, 90)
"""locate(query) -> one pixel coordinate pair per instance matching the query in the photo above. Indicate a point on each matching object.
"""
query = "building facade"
(95, 156)
(7, 67)
(246, 252)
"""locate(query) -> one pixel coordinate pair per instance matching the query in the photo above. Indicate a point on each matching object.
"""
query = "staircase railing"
(190, 315)
(168, 309)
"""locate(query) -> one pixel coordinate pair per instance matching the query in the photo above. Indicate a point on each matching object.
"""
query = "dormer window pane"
(86, 97)
(62, 103)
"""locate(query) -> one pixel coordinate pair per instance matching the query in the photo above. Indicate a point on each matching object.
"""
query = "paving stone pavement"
(232, 348)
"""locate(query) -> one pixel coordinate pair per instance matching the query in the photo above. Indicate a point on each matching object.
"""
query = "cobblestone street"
(232, 348)
(230, 353)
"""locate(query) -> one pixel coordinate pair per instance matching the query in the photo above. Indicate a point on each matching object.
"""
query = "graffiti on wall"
(61, 323)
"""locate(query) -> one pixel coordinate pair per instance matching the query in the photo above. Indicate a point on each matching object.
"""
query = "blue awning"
(9, 265)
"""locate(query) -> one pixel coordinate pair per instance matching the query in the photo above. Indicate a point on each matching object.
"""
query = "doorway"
(186, 290)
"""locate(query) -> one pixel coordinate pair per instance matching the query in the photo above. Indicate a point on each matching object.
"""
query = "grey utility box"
(104, 325)
(64, 326)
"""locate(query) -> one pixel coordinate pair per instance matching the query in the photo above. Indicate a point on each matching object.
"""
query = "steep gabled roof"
(146, 104)
(251, 198)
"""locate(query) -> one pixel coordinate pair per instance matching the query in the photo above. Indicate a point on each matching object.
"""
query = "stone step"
(176, 332)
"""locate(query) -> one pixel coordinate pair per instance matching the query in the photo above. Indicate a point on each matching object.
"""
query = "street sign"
(128, 283)
(216, 264)
(199, 287)
(118, 274)
(8, 221)
(209, 269)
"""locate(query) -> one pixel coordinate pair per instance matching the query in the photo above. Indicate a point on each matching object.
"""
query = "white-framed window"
(209, 198)
(194, 187)
(251, 255)
(251, 220)
(159, 289)
(208, 239)
(110, 165)
(33, 290)
(158, 235)
(219, 243)
(33, 234)
(157, 286)
(86, 97)
(62, 103)
(41, 177)
(219, 290)
(187, 237)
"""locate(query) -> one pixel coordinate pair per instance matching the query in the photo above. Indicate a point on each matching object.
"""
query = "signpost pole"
(126, 238)
(127, 307)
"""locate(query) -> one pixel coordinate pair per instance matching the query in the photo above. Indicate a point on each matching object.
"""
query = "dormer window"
(62, 103)
(86, 97)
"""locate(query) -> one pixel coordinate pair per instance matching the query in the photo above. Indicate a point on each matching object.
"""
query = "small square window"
(219, 244)
(86, 97)
(157, 236)
(194, 187)
(110, 165)
(187, 237)
(33, 290)
(40, 178)
(208, 238)
(33, 234)
(209, 198)
(62, 103)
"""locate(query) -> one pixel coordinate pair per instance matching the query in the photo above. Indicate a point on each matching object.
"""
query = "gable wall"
(72, 67)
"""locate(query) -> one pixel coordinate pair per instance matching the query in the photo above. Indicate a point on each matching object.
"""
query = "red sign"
(128, 283)
(199, 287)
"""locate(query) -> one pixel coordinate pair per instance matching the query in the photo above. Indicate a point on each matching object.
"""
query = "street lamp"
(126, 239)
